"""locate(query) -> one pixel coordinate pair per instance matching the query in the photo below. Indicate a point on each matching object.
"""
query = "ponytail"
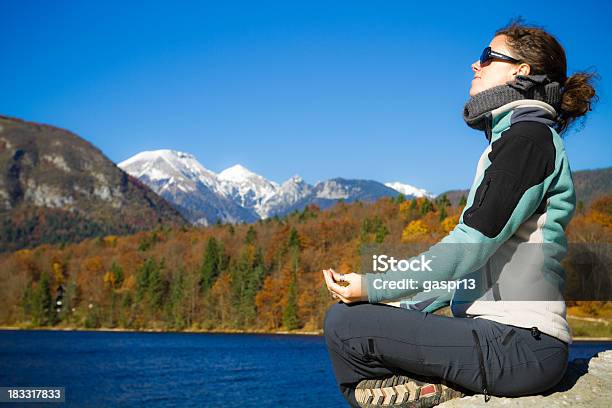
(577, 96)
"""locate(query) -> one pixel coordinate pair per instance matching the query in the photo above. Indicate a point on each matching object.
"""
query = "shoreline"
(221, 331)
(202, 331)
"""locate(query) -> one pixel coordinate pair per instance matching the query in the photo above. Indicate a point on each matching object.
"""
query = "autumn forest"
(264, 276)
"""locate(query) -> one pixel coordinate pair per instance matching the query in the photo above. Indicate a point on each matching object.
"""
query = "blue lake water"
(119, 369)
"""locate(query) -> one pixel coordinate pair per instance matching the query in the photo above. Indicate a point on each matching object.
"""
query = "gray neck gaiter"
(539, 87)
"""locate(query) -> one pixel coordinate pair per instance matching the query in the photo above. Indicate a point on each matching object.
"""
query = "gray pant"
(375, 340)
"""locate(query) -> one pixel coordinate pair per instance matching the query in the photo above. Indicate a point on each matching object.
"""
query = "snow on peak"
(407, 189)
(296, 179)
(151, 155)
(237, 173)
(167, 167)
(246, 188)
(290, 192)
(294, 188)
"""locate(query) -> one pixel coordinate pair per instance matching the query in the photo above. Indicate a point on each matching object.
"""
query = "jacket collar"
(540, 111)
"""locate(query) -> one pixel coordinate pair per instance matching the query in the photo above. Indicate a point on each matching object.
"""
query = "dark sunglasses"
(488, 54)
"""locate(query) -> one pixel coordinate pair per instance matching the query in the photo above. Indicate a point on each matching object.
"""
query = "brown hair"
(545, 55)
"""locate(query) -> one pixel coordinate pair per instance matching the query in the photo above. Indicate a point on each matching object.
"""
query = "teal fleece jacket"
(510, 234)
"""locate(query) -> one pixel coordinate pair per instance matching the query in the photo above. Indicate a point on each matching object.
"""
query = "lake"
(123, 369)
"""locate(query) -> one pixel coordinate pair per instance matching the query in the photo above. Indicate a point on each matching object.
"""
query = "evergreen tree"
(71, 299)
(247, 273)
(150, 285)
(381, 232)
(27, 300)
(442, 213)
(142, 278)
(251, 236)
(175, 309)
(443, 201)
(374, 226)
(462, 200)
(365, 230)
(254, 282)
(294, 239)
(290, 313)
(211, 264)
(41, 306)
(426, 207)
(118, 276)
(238, 275)
(157, 286)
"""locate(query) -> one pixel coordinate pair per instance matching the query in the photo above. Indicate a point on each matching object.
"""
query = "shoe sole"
(402, 392)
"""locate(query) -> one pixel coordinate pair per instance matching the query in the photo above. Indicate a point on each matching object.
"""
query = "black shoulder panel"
(521, 158)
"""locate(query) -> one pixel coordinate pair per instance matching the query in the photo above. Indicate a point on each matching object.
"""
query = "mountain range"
(56, 187)
(237, 194)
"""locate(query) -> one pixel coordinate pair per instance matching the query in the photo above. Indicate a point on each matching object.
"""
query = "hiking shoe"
(400, 391)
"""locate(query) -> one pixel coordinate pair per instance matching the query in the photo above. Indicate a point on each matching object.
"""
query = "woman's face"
(496, 72)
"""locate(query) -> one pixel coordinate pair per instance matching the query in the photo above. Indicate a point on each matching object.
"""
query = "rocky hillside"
(56, 187)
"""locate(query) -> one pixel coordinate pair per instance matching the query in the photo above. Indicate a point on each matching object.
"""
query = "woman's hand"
(352, 292)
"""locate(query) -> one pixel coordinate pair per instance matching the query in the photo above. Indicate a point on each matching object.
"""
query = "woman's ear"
(523, 69)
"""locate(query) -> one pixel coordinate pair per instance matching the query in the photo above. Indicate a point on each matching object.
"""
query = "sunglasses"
(488, 54)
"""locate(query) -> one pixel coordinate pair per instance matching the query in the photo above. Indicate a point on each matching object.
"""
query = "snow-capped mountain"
(246, 188)
(197, 192)
(408, 190)
(166, 168)
(286, 196)
(237, 194)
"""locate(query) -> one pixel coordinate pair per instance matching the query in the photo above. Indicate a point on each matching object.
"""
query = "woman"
(510, 239)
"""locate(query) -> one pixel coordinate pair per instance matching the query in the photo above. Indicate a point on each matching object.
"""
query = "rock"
(586, 384)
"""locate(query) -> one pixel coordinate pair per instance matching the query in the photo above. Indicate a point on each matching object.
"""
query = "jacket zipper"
(488, 126)
(469, 213)
(483, 374)
(484, 192)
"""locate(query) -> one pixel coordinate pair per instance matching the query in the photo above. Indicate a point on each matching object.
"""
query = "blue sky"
(371, 90)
